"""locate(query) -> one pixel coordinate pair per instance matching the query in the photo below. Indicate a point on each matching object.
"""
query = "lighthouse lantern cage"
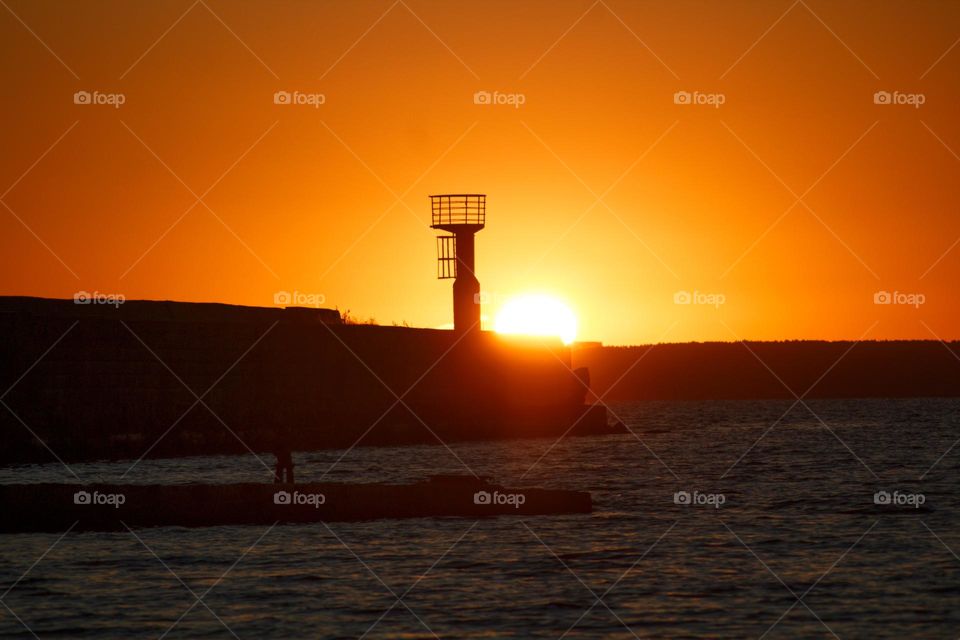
(458, 212)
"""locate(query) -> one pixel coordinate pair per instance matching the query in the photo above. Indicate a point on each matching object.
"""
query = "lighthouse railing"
(468, 209)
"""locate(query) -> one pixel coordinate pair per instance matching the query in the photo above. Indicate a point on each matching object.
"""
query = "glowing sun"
(537, 315)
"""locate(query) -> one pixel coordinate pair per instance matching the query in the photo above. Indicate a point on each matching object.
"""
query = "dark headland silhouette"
(119, 378)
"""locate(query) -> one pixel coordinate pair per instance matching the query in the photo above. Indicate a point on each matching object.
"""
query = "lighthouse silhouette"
(461, 215)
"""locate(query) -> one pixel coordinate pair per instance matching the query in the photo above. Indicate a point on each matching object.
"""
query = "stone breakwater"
(163, 379)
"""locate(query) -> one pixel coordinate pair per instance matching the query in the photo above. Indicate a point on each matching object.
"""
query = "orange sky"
(332, 200)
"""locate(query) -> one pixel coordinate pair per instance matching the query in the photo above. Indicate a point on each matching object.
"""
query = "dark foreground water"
(783, 540)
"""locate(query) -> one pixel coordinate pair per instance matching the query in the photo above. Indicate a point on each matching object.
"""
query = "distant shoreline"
(755, 370)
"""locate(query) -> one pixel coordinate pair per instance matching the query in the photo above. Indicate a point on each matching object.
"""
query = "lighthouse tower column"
(466, 288)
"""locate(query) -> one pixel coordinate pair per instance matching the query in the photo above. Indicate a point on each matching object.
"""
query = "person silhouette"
(284, 466)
